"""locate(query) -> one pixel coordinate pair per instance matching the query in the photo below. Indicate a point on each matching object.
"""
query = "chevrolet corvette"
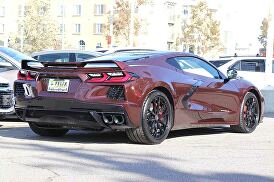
(144, 93)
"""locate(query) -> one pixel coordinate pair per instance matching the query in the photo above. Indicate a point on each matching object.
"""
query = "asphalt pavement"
(207, 154)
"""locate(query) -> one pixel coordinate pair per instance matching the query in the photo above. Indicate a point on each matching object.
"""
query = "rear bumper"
(73, 114)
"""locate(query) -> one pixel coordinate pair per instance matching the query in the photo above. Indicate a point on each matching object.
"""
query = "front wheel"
(157, 120)
(47, 131)
(249, 115)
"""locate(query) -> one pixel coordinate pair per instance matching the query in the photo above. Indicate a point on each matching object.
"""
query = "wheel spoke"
(157, 117)
(251, 112)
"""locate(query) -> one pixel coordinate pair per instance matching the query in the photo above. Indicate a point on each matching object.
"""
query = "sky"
(243, 18)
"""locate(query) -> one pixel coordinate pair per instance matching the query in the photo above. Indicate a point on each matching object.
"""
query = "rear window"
(219, 63)
(251, 65)
(56, 57)
(81, 57)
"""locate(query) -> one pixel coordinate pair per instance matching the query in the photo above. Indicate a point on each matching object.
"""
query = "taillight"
(111, 77)
(25, 75)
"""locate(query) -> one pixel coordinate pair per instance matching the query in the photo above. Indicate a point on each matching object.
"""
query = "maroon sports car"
(144, 93)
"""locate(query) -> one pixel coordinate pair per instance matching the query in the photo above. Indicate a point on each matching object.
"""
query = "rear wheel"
(249, 115)
(47, 130)
(157, 120)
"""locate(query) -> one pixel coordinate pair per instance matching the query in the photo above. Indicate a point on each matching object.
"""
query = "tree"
(263, 37)
(40, 31)
(121, 21)
(202, 33)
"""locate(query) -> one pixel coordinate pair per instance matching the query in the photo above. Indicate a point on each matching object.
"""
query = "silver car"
(6, 98)
(10, 63)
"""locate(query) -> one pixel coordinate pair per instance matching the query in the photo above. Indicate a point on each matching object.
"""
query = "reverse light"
(116, 74)
(95, 75)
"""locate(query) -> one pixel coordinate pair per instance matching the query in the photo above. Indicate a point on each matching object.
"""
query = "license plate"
(57, 85)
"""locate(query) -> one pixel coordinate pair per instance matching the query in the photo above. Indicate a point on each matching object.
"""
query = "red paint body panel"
(214, 102)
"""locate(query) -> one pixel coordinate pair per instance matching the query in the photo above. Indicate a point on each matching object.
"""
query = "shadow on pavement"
(106, 137)
(150, 166)
(199, 131)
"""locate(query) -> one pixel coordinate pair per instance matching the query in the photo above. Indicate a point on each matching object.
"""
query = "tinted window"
(18, 56)
(219, 63)
(253, 65)
(82, 57)
(236, 66)
(197, 66)
(56, 57)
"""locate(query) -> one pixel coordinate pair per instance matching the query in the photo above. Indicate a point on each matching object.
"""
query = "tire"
(47, 131)
(154, 127)
(249, 119)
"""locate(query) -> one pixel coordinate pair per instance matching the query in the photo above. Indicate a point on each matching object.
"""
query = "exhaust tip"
(117, 119)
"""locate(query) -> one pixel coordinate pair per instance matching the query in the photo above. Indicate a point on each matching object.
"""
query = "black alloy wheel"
(157, 116)
(157, 120)
(249, 114)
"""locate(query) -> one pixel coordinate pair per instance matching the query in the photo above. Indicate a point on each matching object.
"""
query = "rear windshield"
(219, 63)
(56, 57)
(82, 57)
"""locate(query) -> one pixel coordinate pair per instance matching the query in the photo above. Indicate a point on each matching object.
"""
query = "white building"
(159, 24)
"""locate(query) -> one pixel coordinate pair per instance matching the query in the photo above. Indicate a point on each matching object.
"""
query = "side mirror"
(232, 74)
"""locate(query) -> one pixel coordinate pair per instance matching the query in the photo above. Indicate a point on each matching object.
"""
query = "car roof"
(66, 51)
(221, 59)
(14, 56)
(122, 49)
(248, 57)
(136, 55)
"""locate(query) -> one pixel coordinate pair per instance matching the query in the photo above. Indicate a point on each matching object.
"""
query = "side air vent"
(19, 89)
(116, 92)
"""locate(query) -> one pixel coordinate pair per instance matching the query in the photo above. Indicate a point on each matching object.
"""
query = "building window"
(185, 11)
(22, 10)
(98, 28)
(77, 10)
(2, 28)
(82, 45)
(19, 27)
(171, 13)
(42, 10)
(98, 45)
(99, 9)
(2, 11)
(77, 28)
(61, 10)
(62, 28)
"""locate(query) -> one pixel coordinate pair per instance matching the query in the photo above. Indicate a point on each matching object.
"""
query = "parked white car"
(6, 98)
(250, 68)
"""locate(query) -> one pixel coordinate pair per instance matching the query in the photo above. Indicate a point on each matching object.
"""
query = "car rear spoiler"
(36, 66)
